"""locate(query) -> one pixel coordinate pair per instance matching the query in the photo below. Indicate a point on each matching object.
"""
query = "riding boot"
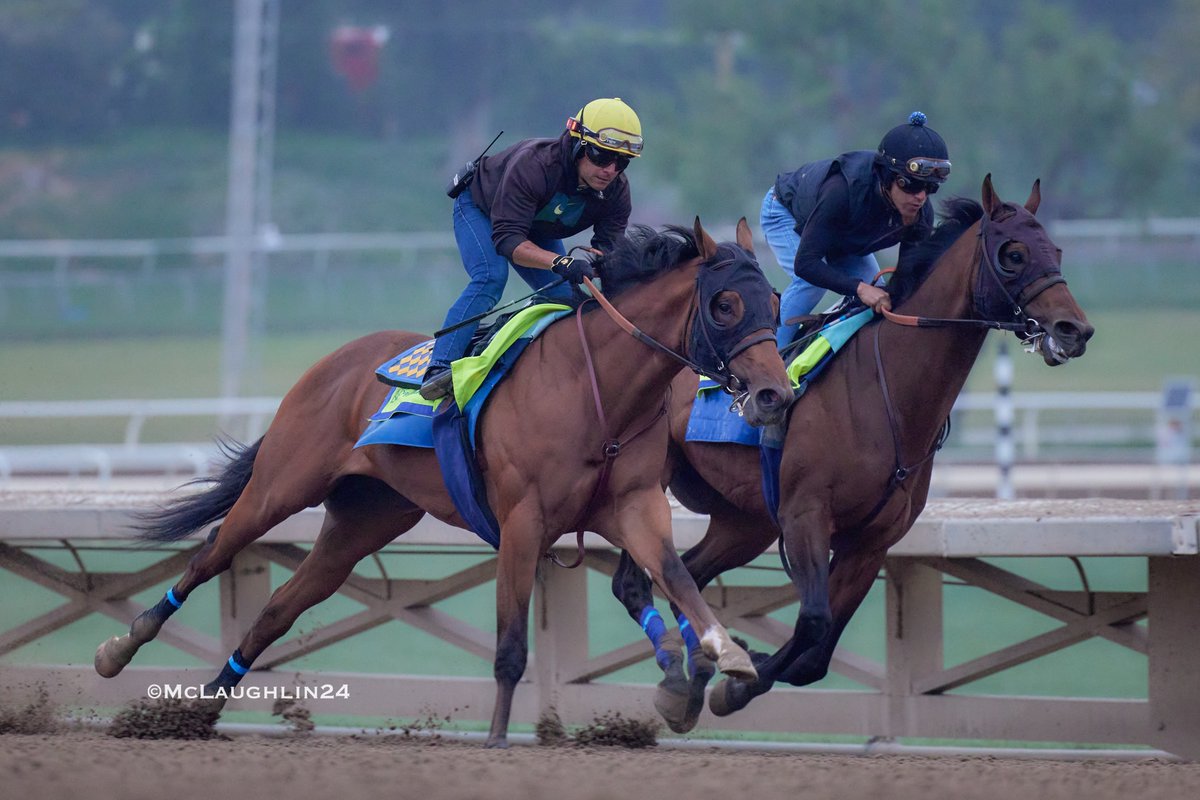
(438, 382)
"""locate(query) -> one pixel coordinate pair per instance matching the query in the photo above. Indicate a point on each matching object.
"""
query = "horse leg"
(520, 539)
(806, 560)
(852, 573)
(362, 515)
(654, 551)
(256, 511)
(633, 588)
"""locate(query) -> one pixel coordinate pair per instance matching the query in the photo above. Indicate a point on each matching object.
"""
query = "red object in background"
(354, 52)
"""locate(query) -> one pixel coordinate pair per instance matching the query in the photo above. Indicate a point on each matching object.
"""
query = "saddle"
(811, 325)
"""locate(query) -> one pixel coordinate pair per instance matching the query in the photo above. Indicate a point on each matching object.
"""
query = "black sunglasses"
(602, 158)
(914, 186)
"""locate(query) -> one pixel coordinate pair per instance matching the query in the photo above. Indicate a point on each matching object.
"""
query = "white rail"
(246, 418)
(913, 692)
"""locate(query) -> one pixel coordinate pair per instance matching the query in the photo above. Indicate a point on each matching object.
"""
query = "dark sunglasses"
(914, 186)
(602, 158)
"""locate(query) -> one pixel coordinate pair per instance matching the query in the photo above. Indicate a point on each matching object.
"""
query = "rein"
(1024, 324)
(726, 380)
(610, 448)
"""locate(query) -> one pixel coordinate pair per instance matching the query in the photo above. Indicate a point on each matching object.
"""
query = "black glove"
(573, 269)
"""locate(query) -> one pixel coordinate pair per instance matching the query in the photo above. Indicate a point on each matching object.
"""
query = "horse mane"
(957, 215)
(643, 255)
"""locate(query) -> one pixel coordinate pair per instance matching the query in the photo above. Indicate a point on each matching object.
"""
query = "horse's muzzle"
(766, 406)
(1066, 339)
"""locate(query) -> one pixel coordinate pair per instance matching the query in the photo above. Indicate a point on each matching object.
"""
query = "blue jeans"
(800, 297)
(488, 271)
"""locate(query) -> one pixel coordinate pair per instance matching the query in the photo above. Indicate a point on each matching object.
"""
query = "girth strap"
(610, 448)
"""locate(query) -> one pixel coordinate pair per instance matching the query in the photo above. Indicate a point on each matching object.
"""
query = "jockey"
(519, 206)
(826, 220)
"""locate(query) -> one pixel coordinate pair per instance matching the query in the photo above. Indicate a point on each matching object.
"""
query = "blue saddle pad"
(713, 421)
(406, 418)
(407, 369)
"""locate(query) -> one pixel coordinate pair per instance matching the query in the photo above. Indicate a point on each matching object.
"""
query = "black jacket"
(531, 191)
(840, 211)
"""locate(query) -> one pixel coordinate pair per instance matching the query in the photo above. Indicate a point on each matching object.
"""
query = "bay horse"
(550, 429)
(857, 457)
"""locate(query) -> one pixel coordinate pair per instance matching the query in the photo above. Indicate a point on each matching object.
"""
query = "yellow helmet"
(608, 123)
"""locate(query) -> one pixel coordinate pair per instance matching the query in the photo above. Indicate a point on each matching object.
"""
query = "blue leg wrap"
(655, 628)
(232, 673)
(689, 634)
(167, 606)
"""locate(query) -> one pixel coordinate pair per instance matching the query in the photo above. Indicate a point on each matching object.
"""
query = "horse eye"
(1016, 258)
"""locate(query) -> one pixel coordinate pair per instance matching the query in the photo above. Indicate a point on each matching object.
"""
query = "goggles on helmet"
(611, 138)
(913, 186)
(936, 169)
(602, 158)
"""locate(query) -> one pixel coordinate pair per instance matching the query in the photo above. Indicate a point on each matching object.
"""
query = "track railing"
(915, 691)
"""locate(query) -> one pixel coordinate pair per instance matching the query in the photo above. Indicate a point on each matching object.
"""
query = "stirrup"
(437, 386)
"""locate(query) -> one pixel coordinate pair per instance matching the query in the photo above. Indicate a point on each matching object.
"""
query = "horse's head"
(732, 337)
(1020, 275)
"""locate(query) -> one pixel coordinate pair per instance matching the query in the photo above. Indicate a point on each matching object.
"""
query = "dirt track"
(93, 766)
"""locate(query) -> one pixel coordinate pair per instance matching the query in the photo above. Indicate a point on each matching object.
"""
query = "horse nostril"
(1070, 331)
(767, 399)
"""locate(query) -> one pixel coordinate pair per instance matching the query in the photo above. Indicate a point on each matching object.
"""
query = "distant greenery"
(1099, 102)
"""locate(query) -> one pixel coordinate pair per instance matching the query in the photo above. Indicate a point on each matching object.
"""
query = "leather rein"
(1024, 324)
(612, 446)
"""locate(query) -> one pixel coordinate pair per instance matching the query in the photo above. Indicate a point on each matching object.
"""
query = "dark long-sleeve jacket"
(840, 211)
(531, 190)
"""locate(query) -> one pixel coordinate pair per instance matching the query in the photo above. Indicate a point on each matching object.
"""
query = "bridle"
(987, 303)
(713, 359)
(984, 299)
(719, 372)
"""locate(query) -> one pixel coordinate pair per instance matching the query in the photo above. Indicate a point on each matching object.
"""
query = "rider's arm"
(821, 232)
(827, 222)
(518, 196)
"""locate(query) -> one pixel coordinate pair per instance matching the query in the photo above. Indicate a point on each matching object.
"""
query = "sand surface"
(93, 765)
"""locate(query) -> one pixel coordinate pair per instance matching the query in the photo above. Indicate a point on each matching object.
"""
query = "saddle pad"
(404, 418)
(830, 339)
(713, 421)
(407, 369)
(449, 425)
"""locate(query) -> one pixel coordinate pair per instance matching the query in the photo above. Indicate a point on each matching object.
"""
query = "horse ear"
(705, 243)
(745, 239)
(1035, 197)
(991, 201)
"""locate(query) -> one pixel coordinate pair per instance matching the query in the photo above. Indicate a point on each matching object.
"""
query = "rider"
(520, 204)
(826, 220)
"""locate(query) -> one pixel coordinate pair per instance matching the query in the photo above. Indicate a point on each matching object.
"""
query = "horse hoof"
(672, 706)
(209, 707)
(497, 743)
(113, 655)
(735, 662)
(729, 696)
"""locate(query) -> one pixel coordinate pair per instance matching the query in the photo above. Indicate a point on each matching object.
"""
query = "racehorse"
(548, 445)
(857, 457)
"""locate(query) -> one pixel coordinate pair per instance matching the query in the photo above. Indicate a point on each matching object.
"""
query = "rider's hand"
(874, 297)
(573, 269)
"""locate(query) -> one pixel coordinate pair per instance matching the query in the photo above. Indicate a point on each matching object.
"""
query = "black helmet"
(915, 151)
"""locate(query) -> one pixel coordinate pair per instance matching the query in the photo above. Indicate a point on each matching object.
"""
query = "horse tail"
(185, 515)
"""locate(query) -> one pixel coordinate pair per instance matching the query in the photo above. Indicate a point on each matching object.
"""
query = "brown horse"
(540, 447)
(857, 457)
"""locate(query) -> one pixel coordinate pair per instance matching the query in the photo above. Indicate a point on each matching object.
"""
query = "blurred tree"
(55, 68)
